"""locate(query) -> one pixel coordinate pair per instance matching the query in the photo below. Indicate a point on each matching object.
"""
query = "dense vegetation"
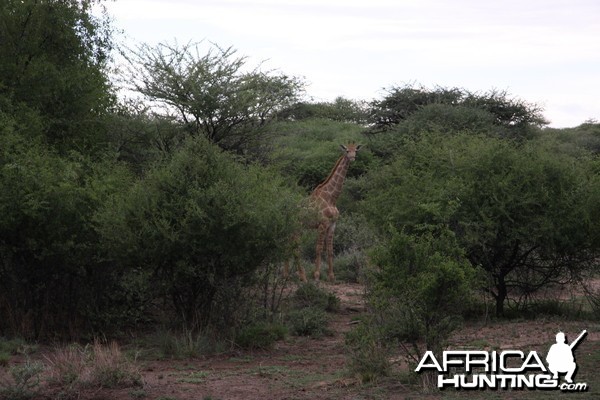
(179, 206)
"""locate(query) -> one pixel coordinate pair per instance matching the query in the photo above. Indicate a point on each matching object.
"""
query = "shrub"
(308, 321)
(353, 237)
(201, 225)
(349, 266)
(341, 109)
(426, 282)
(53, 282)
(368, 352)
(307, 150)
(10, 347)
(312, 296)
(416, 299)
(4, 359)
(25, 381)
(260, 335)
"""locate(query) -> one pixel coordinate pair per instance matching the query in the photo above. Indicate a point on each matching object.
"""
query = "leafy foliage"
(260, 335)
(307, 150)
(311, 295)
(426, 281)
(26, 381)
(511, 117)
(139, 137)
(53, 58)
(113, 213)
(211, 93)
(523, 213)
(49, 267)
(369, 351)
(585, 136)
(201, 225)
(416, 296)
(340, 110)
(309, 321)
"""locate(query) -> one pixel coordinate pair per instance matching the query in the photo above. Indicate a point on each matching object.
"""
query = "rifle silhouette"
(576, 341)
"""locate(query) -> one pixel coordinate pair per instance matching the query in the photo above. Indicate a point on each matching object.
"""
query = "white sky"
(543, 51)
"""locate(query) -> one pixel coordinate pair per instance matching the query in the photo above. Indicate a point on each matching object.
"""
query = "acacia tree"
(213, 93)
(511, 116)
(526, 214)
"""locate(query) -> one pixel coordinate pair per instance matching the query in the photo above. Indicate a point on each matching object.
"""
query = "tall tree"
(524, 214)
(53, 59)
(54, 96)
(214, 94)
(511, 116)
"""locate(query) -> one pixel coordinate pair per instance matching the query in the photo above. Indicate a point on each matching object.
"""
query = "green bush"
(416, 298)
(455, 108)
(424, 283)
(200, 226)
(522, 212)
(10, 347)
(13, 346)
(310, 321)
(368, 352)
(448, 119)
(25, 381)
(4, 359)
(306, 151)
(354, 236)
(260, 335)
(310, 295)
(349, 266)
(63, 90)
(341, 110)
(53, 280)
(181, 345)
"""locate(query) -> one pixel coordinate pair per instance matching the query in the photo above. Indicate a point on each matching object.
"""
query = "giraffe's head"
(350, 150)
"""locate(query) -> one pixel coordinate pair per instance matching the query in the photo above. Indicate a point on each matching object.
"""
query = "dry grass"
(75, 367)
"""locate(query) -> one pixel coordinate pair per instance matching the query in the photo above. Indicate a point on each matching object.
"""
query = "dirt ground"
(297, 368)
(315, 368)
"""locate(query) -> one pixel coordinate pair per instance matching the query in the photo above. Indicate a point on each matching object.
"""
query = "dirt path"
(297, 368)
(315, 368)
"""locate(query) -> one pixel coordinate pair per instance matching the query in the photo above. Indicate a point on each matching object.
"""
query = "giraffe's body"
(323, 200)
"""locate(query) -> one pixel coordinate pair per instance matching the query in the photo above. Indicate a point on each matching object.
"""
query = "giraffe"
(322, 200)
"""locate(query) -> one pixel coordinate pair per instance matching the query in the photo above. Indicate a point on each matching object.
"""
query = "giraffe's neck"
(331, 188)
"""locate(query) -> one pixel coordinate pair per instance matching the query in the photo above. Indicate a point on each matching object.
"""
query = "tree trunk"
(501, 296)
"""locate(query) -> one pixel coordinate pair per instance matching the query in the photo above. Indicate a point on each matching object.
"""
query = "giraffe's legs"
(322, 232)
(329, 242)
(301, 273)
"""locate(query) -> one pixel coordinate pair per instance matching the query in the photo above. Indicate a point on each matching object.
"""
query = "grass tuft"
(75, 368)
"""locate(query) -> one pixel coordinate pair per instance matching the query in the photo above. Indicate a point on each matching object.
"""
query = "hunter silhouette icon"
(560, 356)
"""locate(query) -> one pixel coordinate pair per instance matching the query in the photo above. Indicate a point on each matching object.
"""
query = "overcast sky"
(543, 51)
